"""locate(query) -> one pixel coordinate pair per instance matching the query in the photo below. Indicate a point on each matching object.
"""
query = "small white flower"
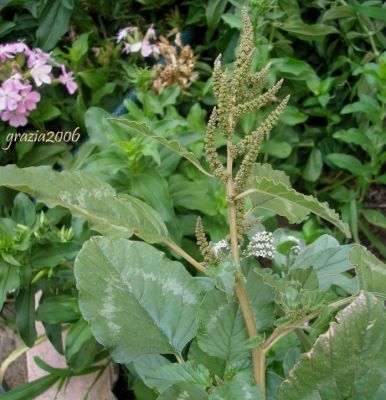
(261, 245)
(219, 246)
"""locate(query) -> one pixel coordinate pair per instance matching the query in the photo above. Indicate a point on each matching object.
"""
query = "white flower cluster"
(219, 247)
(261, 245)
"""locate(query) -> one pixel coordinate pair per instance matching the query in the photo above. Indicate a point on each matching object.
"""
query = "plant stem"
(179, 359)
(245, 194)
(282, 331)
(258, 356)
(184, 255)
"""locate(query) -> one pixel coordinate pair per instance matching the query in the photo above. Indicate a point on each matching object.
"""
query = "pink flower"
(13, 83)
(123, 32)
(9, 97)
(67, 79)
(150, 33)
(18, 47)
(28, 100)
(14, 118)
(146, 49)
(36, 56)
(5, 52)
(40, 73)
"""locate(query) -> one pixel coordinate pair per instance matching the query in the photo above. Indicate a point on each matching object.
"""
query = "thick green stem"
(258, 356)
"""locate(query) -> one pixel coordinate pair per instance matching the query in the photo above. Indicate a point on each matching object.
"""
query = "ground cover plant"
(259, 310)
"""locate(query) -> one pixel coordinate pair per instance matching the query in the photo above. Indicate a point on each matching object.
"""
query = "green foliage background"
(330, 141)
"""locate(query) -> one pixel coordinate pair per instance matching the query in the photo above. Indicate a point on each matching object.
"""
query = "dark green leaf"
(32, 389)
(308, 32)
(25, 315)
(374, 217)
(349, 163)
(338, 12)
(50, 254)
(58, 309)
(213, 12)
(79, 48)
(314, 166)
(81, 346)
(23, 210)
(372, 12)
(53, 23)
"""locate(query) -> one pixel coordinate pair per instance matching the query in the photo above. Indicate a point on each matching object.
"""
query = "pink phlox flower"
(19, 47)
(150, 33)
(5, 52)
(14, 118)
(37, 56)
(14, 82)
(28, 101)
(67, 79)
(123, 32)
(41, 73)
(146, 48)
(9, 96)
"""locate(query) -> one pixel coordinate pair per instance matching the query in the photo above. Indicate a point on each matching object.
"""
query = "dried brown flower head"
(178, 67)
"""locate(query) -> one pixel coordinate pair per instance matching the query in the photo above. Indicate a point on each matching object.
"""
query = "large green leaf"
(371, 272)
(143, 129)
(330, 260)
(89, 197)
(222, 330)
(275, 196)
(136, 301)
(347, 362)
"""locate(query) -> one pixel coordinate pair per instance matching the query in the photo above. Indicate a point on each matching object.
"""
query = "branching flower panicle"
(243, 62)
(258, 135)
